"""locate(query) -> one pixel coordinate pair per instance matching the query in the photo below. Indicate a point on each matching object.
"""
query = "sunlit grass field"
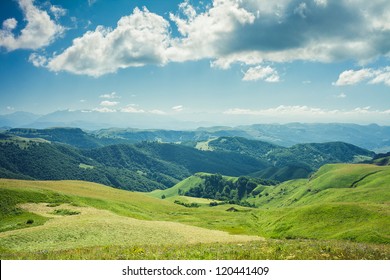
(82, 220)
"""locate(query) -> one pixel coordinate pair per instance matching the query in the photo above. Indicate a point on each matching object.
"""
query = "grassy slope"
(95, 226)
(185, 185)
(328, 211)
(340, 201)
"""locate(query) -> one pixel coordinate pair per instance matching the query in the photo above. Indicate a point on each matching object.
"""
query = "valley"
(238, 199)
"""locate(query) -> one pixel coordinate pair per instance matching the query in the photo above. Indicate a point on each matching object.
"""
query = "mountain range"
(135, 128)
(71, 153)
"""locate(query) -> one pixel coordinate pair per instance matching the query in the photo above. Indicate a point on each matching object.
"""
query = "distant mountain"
(141, 167)
(381, 159)
(42, 154)
(45, 161)
(94, 120)
(72, 136)
(165, 128)
(372, 137)
(294, 162)
(18, 119)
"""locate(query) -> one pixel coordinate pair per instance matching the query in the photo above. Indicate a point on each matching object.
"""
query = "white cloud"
(301, 10)
(259, 72)
(104, 110)
(37, 60)
(281, 110)
(322, 3)
(341, 95)
(370, 75)
(320, 30)
(40, 30)
(112, 95)
(57, 11)
(178, 108)
(382, 76)
(157, 112)
(10, 24)
(138, 39)
(251, 32)
(351, 77)
(82, 100)
(304, 113)
(10, 108)
(91, 2)
(132, 109)
(108, 103)
(203, 35)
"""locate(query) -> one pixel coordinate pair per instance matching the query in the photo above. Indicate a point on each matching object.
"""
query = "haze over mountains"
(140, 127)
(140, 160)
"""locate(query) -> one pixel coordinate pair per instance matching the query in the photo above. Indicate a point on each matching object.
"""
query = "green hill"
(151, 165)
(179, 188)
(49, 161)
(141, 167)
(342, 201)
(304, 156)
(352, 183)
(73, 219)
(72, 136)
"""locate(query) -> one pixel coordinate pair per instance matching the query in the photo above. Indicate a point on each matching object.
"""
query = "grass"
(23, 142)
(254, 250)
(86, 166)
(65, 212)
(183, 186)
(350, 222)
(94, 227)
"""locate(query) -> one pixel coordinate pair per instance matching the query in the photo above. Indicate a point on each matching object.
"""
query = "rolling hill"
(71, 219)
(141, 167)
(345, 201)
(372, 137)
(72, 154)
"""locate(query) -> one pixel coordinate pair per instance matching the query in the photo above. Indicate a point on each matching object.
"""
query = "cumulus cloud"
(369, 75)
(325, 31)
(91, 2)
(157, 112)
(178, 108)
(138, 39)
(204, 35)
(251, 32)
(382, 76)
(39, 32)
(259, 72)
(112, 95)
(281, 110)
(284, 31)
(108, 103)
(132, 109)
(341, 95)
(304, 113)
(37, 60)
(10, 24)
(104, 110)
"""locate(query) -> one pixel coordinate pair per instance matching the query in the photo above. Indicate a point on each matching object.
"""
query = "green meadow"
(340, 212)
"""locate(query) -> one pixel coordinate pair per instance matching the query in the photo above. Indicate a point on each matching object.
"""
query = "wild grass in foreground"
(270, 249)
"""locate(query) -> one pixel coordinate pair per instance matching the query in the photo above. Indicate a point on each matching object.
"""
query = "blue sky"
(225, 62)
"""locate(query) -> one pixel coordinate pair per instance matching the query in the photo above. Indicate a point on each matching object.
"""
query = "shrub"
(65, 212)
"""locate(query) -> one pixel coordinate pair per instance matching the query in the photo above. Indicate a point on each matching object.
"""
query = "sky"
(221, 61)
